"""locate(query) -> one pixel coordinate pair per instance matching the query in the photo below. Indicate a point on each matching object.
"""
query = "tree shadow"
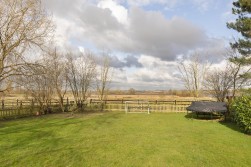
(231, 125)
(221, 119)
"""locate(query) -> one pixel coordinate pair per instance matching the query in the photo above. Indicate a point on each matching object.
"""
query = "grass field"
(117, 139)
(20, 96)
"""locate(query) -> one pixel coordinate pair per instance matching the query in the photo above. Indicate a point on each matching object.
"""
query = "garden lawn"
(117, 139)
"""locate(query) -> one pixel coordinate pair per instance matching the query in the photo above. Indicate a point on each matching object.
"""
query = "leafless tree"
(193, 73)
(103, 79)
(37, 84)
(220, 81)
(55, 65)
(131, 91)
(24, 24)
(45, 80)
(81, 73)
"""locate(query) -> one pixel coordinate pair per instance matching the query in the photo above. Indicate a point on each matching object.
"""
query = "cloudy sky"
(145, 38)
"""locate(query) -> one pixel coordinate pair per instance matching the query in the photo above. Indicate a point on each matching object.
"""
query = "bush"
(241, 108)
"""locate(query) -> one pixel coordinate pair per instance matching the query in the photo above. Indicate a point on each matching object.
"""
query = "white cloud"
(136, 33)
(169, 3)
(63, 31)
(147, 32)
(201, 5)
(81, 49)
(118, 11)
(155, 74)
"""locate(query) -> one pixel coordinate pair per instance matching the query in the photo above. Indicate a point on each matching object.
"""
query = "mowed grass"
(117, 139)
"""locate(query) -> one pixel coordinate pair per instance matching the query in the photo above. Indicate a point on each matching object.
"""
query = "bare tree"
(45, 79)
(37, 84)
(193, 73)
(24, 24)
(220, 81)
(103, 79)
(131, 91)
(55, 68)
(80, 75)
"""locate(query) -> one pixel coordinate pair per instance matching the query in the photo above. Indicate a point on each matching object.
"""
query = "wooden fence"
(19, 108)
(159, 106)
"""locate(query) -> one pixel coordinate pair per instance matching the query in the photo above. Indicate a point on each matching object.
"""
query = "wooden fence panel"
(14, 108)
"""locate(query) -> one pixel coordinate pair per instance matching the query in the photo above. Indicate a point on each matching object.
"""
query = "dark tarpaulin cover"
(201, 106)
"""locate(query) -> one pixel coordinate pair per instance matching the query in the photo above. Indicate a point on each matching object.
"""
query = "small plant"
(241, 108)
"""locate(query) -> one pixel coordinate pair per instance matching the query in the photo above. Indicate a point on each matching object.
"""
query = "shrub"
(241, 108)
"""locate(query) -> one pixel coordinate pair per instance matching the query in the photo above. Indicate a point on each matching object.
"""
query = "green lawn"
(117, 139)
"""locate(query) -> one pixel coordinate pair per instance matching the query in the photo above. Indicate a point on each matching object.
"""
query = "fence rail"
(16, 108)
(168, 107)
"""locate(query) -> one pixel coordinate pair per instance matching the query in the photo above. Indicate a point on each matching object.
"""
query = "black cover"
(207, 107)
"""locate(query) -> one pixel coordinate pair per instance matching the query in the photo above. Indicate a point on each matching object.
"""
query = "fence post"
(90, 104)
(32, 106)
(67, 101)
(20, 107)
(2, 104)
(67, 104)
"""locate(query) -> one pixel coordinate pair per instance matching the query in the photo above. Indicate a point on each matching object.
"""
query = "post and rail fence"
(20, 108)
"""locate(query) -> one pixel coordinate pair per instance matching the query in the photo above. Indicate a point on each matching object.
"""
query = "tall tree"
(220, 81)
(23, 24)
(242, 8)
(38, 84)
(55, 68)
(193, 73)
(81, 72)
(103, 79)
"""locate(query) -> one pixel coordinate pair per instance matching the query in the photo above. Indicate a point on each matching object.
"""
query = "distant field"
(156, 97)
(14, 96)
(118, 139)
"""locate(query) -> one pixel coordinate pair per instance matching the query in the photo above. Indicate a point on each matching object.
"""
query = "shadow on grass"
(44, 122)
(231, 125)
(34, 124)
(204, 117)
(221, 119)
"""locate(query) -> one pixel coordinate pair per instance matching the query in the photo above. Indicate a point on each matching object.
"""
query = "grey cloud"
(157, 36)
(115, 62)
(96, 19)
(147, 32)
(61, 8)
(148, 78)
(128, 61)
(214, 52)
(132, 61)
